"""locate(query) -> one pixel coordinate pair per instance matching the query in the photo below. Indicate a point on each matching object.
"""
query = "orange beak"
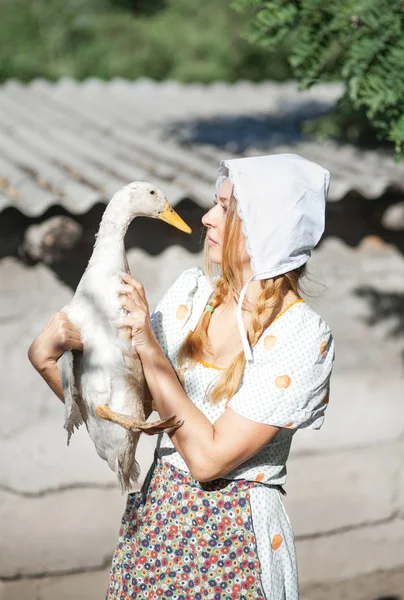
(170, 216)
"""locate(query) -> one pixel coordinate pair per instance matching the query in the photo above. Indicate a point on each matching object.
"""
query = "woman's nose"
(208, 219)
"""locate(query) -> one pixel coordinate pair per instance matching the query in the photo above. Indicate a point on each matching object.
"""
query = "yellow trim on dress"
(210, 366)
(286, 309)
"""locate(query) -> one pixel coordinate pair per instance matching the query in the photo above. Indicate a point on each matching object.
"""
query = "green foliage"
(187, 40)
(360, 42)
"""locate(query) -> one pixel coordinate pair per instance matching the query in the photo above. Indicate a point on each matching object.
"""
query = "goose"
(105, 382)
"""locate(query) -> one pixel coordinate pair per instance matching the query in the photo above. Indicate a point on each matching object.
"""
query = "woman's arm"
(209, 450)
(58, 335)
(50, 373)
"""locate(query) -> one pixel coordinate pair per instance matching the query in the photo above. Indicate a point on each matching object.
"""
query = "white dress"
(286, 385)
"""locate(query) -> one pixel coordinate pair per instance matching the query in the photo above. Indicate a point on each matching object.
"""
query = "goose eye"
(153, 193)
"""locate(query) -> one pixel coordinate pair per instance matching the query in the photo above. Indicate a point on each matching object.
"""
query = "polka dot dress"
(286, 385)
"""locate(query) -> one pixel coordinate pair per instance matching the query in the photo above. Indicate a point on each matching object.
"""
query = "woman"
(244, 362)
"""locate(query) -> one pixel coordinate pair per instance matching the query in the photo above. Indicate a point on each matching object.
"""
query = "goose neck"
(112, 231)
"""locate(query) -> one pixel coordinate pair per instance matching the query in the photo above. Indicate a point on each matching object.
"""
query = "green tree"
(186, 40)
(359, 42)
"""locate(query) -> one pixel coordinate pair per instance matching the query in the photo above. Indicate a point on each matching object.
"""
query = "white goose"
(108, 373)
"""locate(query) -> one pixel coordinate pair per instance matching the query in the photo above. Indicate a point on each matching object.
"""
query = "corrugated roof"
(74, 144)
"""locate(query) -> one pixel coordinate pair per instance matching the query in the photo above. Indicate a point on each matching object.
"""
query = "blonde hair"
(228, 286)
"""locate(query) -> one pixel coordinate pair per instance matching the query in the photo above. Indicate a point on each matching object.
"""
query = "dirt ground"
(381, 585)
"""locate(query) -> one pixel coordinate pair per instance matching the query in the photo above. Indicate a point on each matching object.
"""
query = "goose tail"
(127, 468)
(73, 418)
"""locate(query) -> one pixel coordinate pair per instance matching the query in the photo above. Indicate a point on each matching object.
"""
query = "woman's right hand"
(58, 335)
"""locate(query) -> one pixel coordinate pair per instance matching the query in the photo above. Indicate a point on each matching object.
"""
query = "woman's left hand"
(133, 299)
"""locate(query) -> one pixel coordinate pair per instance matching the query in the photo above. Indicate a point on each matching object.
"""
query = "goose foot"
(165, 425)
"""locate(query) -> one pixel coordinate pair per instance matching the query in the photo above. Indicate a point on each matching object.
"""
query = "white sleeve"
(291, 387)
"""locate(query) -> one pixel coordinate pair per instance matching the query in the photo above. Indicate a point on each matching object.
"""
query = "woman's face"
(215, 220)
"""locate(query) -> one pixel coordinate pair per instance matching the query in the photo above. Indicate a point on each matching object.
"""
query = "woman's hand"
(133, 299)
(58, 335)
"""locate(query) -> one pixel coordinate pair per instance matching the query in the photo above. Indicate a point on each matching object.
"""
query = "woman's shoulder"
(184, 296)
(287, 383)
(301, 318)
(188, 284)
(298, 330)
(309, 317)
(191, 278)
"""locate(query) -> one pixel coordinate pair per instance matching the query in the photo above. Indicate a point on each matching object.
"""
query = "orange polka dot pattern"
(181, 312)
(269, 342)
(323, 348)
(282, 381)
(276, 541)
(187, 540)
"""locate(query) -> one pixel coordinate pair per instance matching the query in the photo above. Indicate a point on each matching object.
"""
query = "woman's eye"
(215, 201)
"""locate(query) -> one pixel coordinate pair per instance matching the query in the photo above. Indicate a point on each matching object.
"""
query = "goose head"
(142, 199)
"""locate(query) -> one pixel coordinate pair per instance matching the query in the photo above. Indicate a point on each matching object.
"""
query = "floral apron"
(185, 539)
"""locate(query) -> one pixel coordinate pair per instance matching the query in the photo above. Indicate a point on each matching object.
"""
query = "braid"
(268, 307)
(198, 340)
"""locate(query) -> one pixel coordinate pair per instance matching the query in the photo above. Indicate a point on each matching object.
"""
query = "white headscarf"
(281, 202)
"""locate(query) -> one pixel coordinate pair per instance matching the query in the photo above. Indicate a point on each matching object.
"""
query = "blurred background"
(97, 93)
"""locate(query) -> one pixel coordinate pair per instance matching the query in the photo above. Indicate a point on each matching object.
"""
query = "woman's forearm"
(50, 373)
(196, 436)
(56, 337)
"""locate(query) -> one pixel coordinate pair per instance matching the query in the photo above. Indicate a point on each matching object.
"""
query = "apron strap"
(149, 475)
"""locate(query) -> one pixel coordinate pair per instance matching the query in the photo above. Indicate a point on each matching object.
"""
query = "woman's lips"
(212, 242)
